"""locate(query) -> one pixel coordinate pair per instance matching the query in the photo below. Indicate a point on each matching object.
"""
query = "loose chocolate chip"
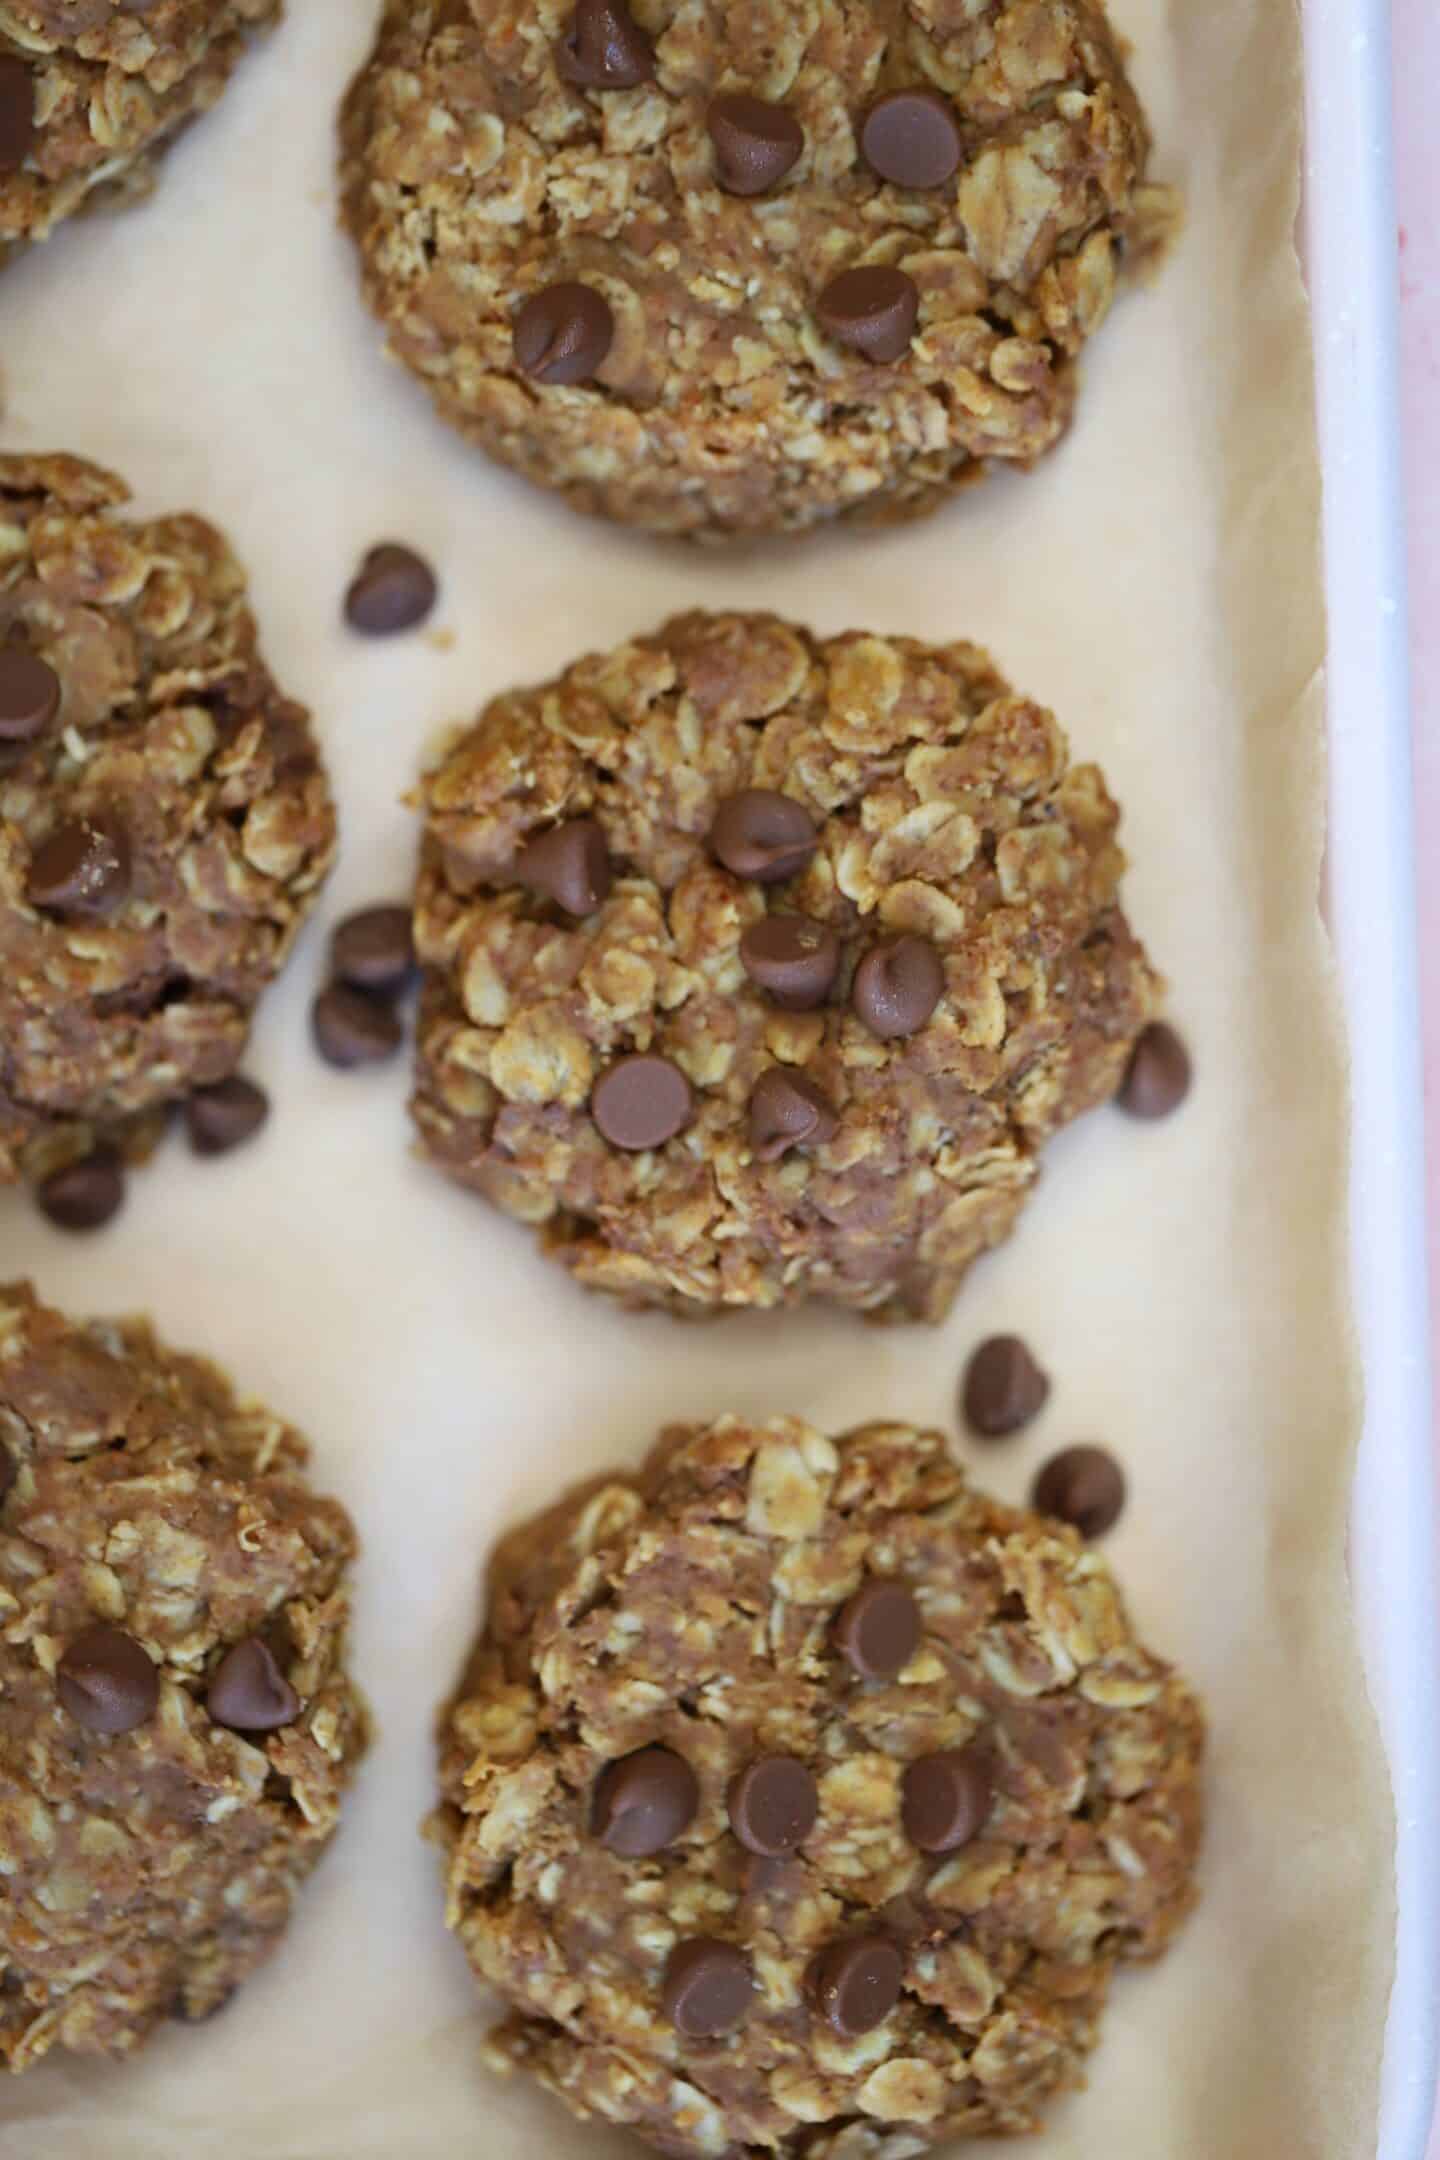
(878, 1629)
(85, 1194)
(569, 864)
(563, 334)
(756, 144)
(1083, 1486)
(641, 1102)
(897, 986)
(644, 1802)
(913, 138)
(792, 958)
(787, 1110)
(944, 1799)
(82, 869)
(708, 1987)
(352, 1028)
(1157, 1079)
(873, 309)
(856, 1984)
(248, 1692)
(1004, 1388)
(394, 589)
(774, 1804)
(107, 1682)
(224, 1116)
(17, 112)
(374, 949)
(29, 695)
(763, 835)
(606, 49)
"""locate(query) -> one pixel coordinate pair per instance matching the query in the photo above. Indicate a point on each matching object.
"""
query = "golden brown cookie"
(760, 967)
(799, 1800)
(176, 1722)
(92, 91)
(165, 821)
(717, 270)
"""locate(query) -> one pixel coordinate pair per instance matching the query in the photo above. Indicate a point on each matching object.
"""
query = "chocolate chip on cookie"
(897, 986)
(761, 834)
(756, 144)
(873, 310)
(792, 958)
(605, 48)
(774, 1804)
(788, 1110)
(912, 137)
(569, 864)
(107, 1681)
(644, 1802)
(563, 334)
(17, 113)
(248, 1692)
(83, 868)
(641, 1102)
(709, 1986)
(878, 1630)
(945, 1798)
(29, 695)
(856, 1984)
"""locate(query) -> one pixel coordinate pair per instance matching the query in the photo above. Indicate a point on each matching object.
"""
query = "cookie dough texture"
(946, 807)
(148, 1872)
(475, 176)
(112, 82)
(695, 1609)
(170, 729)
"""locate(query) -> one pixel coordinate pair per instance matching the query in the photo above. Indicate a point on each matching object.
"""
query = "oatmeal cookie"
(165, 822)
(717, 269)
(759, 967)
(800, 1800)
(92, 91)
(176, 1722)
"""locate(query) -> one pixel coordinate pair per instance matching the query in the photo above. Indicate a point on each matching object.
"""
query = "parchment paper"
(1157, 583)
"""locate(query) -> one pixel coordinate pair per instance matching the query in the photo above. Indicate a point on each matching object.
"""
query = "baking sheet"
(1157, 582)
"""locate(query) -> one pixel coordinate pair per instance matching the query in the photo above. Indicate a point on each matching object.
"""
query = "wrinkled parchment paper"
(1157, 583)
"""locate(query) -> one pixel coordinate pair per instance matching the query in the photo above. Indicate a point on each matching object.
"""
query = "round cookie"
(92, 91)
(715, 270)
(799, 1800)
(176, 1722)
(165, 822)
(759, 967)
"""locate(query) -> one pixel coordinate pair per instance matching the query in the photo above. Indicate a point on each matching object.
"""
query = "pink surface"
(1416, 27)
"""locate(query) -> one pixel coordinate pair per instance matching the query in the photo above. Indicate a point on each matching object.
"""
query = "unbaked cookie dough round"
(759, 967)
(92, 91)
(799, 1800)
(176, 1722)
(165, 822)
(716, 270)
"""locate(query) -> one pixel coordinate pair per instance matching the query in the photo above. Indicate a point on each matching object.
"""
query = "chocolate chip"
(878, 1629)
(945, 1798)
(1083, 1486)
(606, 49)
(248, 1692)
(856, 1984)
(774, 1804)
(787, 1110)
(394, 589)
(374, 949)
(644, 1802)
(1157, 1079)
(569, 864)
(708, 1987)
(82, 869)
(85, 1194)
(873, 309)
(756, 144)
(641, 1102)
(913, 138)
(224, 1116)
(897, 986)
(792, 958)
(1004, 1388)
(107, 1682)
(763, 835)
(352, 1028)
(17, 112)
(563, 334)
(29, 695)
